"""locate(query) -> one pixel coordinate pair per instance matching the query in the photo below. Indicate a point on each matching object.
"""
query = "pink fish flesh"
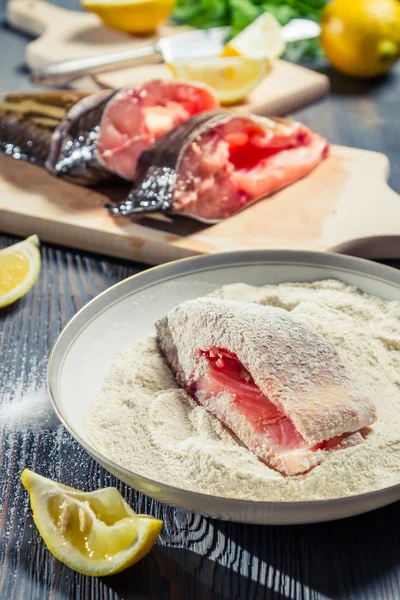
(272, 380)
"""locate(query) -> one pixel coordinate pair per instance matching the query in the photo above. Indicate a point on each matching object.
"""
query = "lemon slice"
(262, 39)
(19, 269)
(94, 533)
(133, 16)
(232, 78)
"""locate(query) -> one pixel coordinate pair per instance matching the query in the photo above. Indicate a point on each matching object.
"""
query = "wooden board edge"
(97, 242)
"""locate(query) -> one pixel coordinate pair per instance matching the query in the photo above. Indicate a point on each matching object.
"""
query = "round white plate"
(123, 314)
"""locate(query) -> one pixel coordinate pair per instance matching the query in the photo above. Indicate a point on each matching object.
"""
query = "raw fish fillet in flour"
(214, 165)
(276, 383)
(88, 138)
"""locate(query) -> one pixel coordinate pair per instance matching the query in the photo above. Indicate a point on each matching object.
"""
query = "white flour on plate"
(143, 421)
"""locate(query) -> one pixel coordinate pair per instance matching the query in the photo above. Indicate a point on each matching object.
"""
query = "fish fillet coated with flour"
(276, 383)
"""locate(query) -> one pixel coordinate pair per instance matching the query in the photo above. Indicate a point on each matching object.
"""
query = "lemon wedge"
(94, 533)
(134, 16)
(232, 78)
(19, 269)
(261, 40)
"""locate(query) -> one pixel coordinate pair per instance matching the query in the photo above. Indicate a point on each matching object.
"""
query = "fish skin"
(23, 140)
(296, 369)
(28, 120)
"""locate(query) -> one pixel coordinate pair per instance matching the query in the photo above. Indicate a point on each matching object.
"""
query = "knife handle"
(62, 72)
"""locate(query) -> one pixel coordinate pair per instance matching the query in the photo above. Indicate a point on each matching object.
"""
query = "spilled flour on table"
(143, 421)
(25, 403)
(30, 409)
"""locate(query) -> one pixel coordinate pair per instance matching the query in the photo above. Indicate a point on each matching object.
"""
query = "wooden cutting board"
(345, 204)
(65, 34)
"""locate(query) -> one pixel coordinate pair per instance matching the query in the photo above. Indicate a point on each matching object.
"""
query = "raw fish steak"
(88, 138)
(136, 117)
(214, 165)
(278, 385)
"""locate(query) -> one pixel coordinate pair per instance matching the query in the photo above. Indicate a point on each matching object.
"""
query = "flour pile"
(143, 421)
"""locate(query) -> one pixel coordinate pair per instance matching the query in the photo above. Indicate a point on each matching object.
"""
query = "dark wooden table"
(195, 558)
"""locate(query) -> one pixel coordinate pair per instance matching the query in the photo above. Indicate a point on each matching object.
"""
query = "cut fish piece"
(219, 163)
(136, 117)
(276, 383)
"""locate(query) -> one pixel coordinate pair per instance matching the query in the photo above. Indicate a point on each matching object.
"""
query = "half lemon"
(232, 78)
(94, 533)
(19, 269)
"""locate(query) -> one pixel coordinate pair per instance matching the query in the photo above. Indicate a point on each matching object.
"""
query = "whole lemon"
(361, 38)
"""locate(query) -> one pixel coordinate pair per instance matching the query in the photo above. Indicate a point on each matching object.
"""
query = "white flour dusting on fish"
(144, 422)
